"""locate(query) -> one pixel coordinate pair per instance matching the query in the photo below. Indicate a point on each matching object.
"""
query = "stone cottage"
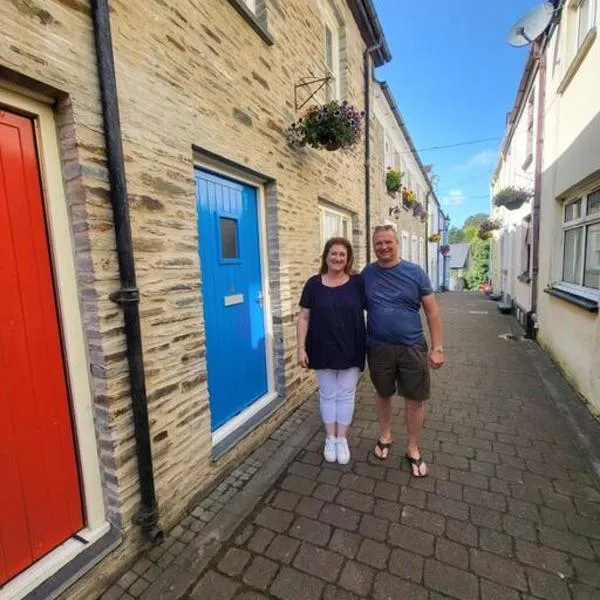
(153, 215)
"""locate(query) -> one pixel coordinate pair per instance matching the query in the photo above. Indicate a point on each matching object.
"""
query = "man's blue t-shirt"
(394, 301)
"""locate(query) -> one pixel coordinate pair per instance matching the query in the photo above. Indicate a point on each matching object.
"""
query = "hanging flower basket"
(512, 197)
(332, 126)
(393, 180)
(409, 198)
(487, 227)
(419, 211)
(444, 250)
(435, 237)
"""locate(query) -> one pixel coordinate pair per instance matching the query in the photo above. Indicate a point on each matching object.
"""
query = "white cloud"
(485, 158)
(454, 198)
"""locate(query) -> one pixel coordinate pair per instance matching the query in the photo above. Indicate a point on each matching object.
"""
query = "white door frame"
(201, 162)
(71, 328)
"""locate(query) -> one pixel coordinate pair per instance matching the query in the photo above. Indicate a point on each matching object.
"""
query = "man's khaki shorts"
(400, 369)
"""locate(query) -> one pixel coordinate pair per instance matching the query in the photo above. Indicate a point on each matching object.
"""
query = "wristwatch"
(439, 349)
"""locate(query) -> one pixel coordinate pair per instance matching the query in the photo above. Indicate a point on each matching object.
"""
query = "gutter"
(128, 296)
(371, 30)
(539, 53)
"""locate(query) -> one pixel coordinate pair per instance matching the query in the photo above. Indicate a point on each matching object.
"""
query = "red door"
(40, 502)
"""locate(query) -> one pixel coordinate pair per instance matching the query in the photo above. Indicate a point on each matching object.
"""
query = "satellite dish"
(531, 25)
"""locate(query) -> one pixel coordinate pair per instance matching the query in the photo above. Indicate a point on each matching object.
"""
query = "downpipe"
(128, 296)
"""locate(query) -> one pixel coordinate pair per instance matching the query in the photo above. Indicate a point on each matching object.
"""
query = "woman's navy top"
(336, 336)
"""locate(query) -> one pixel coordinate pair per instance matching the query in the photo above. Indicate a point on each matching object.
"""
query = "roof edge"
(371, 30)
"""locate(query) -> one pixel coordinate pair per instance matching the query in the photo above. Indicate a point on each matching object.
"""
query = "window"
(388, 153)
(335, 224)
(581, 241)
(254, 12)
(421, 254)
(229, 238)
(530, 120)
(414, 252)
(404, 248)
(585, 19)
(581, 21)
(331, 42)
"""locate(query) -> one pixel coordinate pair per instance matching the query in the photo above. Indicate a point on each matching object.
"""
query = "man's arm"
(434, 322)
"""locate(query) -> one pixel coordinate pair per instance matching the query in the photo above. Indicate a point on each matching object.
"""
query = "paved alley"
(511, 510)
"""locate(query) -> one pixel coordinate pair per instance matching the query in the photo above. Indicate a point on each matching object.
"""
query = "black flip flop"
(383, 446)
(416, 462)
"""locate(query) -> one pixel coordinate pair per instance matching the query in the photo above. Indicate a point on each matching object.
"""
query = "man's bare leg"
(414, 416)
(384, 413)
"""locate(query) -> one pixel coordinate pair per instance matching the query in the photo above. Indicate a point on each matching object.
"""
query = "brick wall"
(193, 74)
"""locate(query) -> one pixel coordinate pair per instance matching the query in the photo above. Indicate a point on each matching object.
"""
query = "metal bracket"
(125, 296)
(305, 82)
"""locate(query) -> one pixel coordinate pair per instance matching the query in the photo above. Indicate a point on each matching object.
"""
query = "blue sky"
(454, 78)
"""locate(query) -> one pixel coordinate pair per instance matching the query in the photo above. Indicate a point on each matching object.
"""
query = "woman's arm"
(301, 331)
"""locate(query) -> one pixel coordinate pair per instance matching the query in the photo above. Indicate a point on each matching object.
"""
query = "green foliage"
(456, 235)
(332, 126)
(476, 219)
(393, 180)
(470, 232)
(480, 263)
(512, 197)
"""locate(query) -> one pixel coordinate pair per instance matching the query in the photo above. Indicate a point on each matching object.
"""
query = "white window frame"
(421, 252)
(344, 225)
(579, 35)
(414, 249)
(332, 64)
(405, 246)
(583, 222)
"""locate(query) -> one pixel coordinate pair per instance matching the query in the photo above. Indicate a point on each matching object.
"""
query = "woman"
(331, 339)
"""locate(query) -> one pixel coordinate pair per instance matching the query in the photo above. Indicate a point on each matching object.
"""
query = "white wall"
(571, 159)
(516, 167)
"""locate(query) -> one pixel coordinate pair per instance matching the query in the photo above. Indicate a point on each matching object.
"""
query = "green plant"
(479, 264)
(331, 126)
(486, 228)
(512, 197)
(409, 198)
(393, 180)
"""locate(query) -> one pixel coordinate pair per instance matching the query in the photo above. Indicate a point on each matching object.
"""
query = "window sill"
(524, 278)
(581, 301)
(527, 162)
(251, 19)
(577, 60)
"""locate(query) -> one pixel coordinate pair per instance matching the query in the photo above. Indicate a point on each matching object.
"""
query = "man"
(397, 352)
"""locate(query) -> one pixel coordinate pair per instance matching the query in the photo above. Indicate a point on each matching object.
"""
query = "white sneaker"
(329, 452)
(342, 451)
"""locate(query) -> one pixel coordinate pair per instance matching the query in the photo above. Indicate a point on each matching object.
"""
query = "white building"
(511, 256)
(394, 149)
(563, 294)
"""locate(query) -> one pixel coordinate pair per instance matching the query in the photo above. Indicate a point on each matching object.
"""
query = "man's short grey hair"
(391, 228)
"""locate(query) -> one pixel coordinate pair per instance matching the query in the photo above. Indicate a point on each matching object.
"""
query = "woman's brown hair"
(337, 241)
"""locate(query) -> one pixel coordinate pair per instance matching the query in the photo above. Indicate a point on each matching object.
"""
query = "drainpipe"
(537, 195)
(367, 70)
(128, 296)
(427, 232)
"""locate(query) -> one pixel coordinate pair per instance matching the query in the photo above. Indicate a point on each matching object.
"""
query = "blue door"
(232, 295)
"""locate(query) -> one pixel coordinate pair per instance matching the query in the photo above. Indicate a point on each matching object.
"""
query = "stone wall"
(187, 74)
